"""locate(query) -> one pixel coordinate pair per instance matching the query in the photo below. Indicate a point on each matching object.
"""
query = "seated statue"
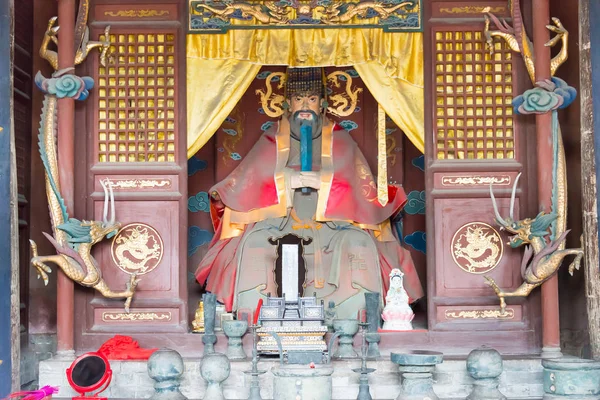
(353, 248)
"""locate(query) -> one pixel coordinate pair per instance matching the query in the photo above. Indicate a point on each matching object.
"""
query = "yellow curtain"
(220, 67)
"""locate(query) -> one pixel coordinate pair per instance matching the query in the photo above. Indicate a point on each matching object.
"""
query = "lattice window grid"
(136, 104)
(473, 92)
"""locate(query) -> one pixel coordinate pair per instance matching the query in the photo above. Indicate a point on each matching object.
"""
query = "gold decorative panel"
(137, 116)
(473, 96)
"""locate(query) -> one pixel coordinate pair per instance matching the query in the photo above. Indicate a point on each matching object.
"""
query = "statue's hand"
(310, 179)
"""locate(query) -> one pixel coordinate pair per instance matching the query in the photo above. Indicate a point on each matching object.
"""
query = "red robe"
(348, 189)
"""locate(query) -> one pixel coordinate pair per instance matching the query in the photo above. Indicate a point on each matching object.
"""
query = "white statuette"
(397, 313)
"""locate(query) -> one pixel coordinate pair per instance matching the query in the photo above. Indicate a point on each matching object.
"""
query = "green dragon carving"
(73, 239)
(544, 236)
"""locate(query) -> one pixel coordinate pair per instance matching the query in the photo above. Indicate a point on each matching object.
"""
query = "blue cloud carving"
(261, 111)
(199, 202)
(352, 72)
(230, 120)
(419, 162)
(389, 131)
(263, 75)
(348, 125)
(196, 165)
(265, 127)
(230, 132)
(417, 240)
(196, 238)
(357, 109)
(415, 203)
(568, 93)
(235, 156)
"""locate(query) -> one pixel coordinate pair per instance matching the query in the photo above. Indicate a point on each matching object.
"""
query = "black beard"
(316, 124)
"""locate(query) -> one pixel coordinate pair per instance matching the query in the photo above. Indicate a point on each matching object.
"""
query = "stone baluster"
(165, 367)
(485, 366)
(215, 369)
(417, 369)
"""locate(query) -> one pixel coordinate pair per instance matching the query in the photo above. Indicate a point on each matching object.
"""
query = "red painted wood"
(550, 306)
(66, 167)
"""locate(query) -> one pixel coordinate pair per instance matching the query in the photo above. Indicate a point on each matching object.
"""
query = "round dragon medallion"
(137, 249)
(477, 248)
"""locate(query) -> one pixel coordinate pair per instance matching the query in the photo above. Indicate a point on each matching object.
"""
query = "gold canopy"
(221, 67)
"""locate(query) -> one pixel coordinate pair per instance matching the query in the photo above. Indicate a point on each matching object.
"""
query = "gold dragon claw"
(491, 282)
(131, 286)
(105, 47)
(489, 41)
(557, 28)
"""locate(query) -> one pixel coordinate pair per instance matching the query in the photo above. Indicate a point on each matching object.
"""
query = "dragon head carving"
(92, 232)
(523, 231)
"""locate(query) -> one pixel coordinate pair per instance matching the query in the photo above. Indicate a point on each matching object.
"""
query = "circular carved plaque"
(477, 248)
(137, 249)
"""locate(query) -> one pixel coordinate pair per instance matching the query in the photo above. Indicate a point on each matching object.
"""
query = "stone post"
(215, 369)
(417, 369)
(485, 366)
(165, 366)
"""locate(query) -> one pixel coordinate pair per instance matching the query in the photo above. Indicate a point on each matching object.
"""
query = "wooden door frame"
(9, 247)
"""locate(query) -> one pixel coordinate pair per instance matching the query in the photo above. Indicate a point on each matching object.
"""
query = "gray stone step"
(521, 379)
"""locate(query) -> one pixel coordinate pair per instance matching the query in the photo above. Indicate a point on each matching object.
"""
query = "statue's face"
(305, 109)
(304, 102)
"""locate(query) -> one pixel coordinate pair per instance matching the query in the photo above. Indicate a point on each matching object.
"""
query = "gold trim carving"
(509, 313)
(220, 15)
(139, 183)
(473, 180)
(472, 10)
(477, 248)
(137, 13)
(108, 316)
(137, 249)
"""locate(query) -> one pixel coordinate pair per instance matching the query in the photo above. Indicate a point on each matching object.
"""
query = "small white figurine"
(397, 314)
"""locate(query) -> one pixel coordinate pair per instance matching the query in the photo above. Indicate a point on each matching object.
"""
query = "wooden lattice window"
(137, 117)
(473, 94)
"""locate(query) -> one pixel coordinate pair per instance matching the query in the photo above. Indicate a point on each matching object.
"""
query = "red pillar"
(66, 166)
(550, 309)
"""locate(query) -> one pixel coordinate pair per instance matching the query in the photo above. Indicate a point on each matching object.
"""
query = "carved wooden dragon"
(518, 41)
(83, 45)
(547, 255)
(270, 13)
(545, 250)
(344, 104)
(332, 13)
(73, 239)
(272, 103)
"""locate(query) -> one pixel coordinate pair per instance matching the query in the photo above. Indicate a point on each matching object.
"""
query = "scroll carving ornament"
(137, 13)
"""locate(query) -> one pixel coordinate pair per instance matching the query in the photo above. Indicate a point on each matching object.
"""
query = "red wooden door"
(473, 139)
(137, 141)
